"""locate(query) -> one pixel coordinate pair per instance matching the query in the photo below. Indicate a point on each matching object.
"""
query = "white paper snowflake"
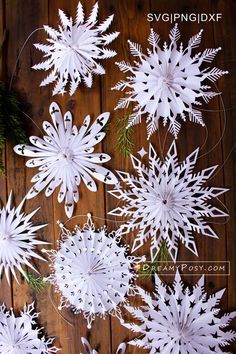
(180, 320)
(168, 83)
(91, 271)
(167, 201)
(120, 350)
(65, 156)
(74, 49)
(17, 239)
(19, 335)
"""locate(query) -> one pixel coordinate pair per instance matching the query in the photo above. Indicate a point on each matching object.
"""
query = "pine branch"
(124, 142)
(10, 121)
(36, 283)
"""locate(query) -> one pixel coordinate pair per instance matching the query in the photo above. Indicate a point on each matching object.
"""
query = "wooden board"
(21, 18)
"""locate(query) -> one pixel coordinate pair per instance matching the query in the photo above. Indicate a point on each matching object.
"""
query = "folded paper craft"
(75, 49)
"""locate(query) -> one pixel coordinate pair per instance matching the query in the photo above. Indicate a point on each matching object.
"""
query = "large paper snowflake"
(167, 83)
(17, 239)
(120, 350)
(167, 201)
(74, 49)
(65, 156)
(180, 320)
(19, 335)
(91, 271)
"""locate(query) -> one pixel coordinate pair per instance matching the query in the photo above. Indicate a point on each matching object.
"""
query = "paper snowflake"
(65, 156)
(91, 271)
(180, 320)
(74, 49)
(168, 83)
(167, 201)
(120, 350)
(19, 335)
(17, 239)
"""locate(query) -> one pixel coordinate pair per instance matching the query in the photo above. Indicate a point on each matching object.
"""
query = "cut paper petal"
(180, 320)
(167, 201)
(65, 156)
(18, 241)
(92, 271)
(73, 51)
(88, 349)
(20, 335)
(167, 84)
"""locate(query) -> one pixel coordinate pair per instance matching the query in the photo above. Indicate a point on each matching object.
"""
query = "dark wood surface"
(20, 18)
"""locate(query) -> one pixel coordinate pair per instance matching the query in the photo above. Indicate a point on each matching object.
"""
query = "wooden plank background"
(20, 18)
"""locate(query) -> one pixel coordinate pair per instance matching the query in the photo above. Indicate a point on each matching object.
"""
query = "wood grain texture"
(217, 142)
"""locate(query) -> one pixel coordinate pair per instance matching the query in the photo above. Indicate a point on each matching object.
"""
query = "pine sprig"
(124, 136)
(36, 283)
(10, 121)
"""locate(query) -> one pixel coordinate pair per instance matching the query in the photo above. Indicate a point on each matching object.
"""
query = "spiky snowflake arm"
(92, 272)
(88, 349)
(167, 84)
(20, 335)
(65, 157)
(167, 201)
(18, 240)
(74, 49)
(180, 320)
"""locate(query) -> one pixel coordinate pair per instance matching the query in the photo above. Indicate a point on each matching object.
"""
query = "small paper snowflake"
(17, 239)
(180, 320)
(91, 271)
(74, 49)
(19, 335)
(65, 156)
(168, 83)
(167, 201)
(120, 350)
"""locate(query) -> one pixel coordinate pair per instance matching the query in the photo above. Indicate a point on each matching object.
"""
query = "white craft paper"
(65, 157)
(180, 320)
(88, 349)
(17, 239)
(167, 84)
(20, 335)
(74, 50)
(92, 272)
(167, 201)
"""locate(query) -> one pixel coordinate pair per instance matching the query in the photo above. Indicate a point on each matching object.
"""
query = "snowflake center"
(66, 155)
(168, 79)
(5, 237)
(166, 201)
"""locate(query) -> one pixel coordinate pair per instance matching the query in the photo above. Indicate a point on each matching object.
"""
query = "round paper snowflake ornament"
(92, 271)
(120, 350)
(19, 335)
(181, 320)
(167, 201)
(65, 157)
(74, 49)
(17, 239)
(168, 83)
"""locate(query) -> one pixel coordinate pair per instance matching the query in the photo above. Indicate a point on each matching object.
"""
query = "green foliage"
(36, 283)
(10, 122)
(124, 136)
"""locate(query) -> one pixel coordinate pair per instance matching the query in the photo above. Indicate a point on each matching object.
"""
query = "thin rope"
(22, 48)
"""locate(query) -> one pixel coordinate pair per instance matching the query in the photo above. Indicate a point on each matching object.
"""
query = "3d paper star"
(167, 201)
(74, 50)
(17, 239)
(180, 320)
(65, 157)
(120, 350)
(19, 335)
(92, 272)
(168, 84)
